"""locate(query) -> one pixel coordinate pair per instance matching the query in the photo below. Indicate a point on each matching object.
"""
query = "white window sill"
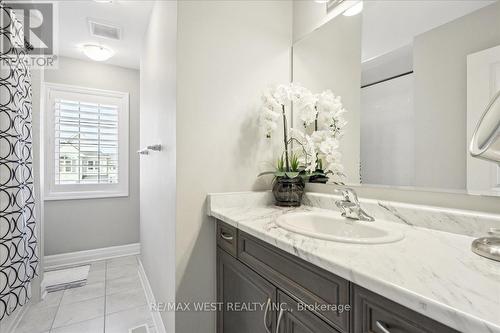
(83, 195)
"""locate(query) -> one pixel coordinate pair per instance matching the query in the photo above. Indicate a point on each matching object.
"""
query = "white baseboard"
(74, 258)
(158, 321)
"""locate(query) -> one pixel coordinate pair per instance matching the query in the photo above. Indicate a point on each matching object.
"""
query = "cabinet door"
(297, 320)
(246, 298)
(297, 277)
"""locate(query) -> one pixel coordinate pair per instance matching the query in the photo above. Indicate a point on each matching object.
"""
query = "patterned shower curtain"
(18, 245)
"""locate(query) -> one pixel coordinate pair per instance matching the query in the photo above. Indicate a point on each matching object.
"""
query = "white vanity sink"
(333, 227)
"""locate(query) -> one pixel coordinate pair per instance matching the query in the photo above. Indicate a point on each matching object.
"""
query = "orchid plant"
(275, 103)
(313, 150)
(323, 125)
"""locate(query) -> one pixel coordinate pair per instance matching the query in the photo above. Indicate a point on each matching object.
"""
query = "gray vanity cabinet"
(250, 270)
(305, 281)
(239, 285)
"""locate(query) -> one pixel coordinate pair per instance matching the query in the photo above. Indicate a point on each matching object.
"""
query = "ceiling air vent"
(331, 4)
(104, 30)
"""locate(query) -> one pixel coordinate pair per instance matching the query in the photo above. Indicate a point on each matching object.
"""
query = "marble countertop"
(431, 272)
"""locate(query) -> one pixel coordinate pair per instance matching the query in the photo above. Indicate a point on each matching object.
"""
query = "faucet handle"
(350, 206)
(350, 195)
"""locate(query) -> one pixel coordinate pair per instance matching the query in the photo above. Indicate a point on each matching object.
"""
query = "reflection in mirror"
(427, 71)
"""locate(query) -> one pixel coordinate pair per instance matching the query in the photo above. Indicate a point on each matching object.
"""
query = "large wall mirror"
(415, 77)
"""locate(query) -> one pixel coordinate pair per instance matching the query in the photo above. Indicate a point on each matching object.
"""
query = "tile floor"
(112, 301)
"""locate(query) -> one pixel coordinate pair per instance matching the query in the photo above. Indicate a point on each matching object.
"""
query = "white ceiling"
(131, 16)
(389, 25)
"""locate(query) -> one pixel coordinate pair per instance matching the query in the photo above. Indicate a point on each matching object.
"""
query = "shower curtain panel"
(18, 245)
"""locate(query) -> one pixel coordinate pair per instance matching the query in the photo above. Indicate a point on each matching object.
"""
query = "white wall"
(227, 53)
(76, 225)
(440, 64)
(157, 190)
(320, 64)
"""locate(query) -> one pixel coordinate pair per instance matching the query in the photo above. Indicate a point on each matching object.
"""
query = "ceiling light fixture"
(97, 52)
(321, 1)
(354, 10)
(103, 1)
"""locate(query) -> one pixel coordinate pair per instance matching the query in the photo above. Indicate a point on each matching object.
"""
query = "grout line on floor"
(71, 324)
(126, 309)
(57, 311)
(81, 300)
(59, 304)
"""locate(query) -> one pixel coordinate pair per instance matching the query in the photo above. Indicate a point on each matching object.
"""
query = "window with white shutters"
(86, 142)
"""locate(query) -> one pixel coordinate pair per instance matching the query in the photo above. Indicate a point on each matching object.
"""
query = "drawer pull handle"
(268, 304)
(226, 236)
(280, 316)
(382, 326)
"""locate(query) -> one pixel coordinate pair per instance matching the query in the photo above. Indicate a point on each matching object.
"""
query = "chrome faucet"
(350, 206)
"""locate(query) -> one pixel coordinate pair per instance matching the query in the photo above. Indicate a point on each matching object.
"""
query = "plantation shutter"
(86, 134)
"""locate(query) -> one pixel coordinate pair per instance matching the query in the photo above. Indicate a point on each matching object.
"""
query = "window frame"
(53, 191)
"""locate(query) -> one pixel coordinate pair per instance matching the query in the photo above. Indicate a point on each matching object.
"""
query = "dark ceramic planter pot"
(321, 179)
(288, 191)
(318, 180)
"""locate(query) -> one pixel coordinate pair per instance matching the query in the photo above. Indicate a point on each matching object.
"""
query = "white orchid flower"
(326, 101)
(269, 120)
(329, 147)
(282, 94)
(270, 102)
(270, 114)
(305, 105)
(323, 143)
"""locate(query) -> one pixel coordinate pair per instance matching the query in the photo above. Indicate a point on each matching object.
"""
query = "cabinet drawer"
(227, 237)
(376, 314)
(308, 283)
